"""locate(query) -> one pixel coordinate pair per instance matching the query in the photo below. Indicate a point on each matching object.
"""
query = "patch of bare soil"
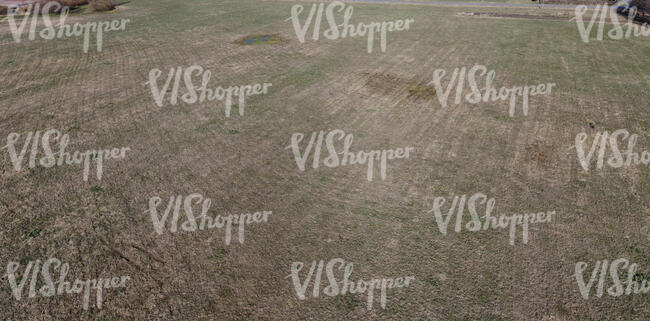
(273, 39)
(384, 82)
(540, 154)
(391, 84)
(422, 91)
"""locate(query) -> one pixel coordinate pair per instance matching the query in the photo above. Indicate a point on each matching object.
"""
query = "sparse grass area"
(524, 162)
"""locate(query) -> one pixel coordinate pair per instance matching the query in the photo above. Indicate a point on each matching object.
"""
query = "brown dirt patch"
(272, 39)
(539, 153)
(384, 82)
(422, 91)
(391, 84)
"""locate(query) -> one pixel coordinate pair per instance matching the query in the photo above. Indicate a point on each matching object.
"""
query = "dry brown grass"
(241, 163)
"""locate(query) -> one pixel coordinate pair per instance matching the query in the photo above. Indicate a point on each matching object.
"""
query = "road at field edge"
(472, 4)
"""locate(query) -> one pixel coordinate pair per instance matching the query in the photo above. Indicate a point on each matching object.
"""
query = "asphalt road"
(472, 4)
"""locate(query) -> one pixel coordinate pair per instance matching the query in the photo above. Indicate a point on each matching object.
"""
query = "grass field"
(382, 226)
